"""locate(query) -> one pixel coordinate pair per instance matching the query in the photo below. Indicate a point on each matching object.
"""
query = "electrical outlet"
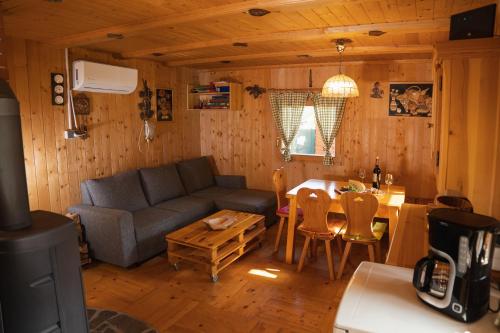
(69, 134)
(76, 134)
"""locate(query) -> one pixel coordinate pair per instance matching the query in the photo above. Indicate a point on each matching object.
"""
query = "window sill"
(299, 157)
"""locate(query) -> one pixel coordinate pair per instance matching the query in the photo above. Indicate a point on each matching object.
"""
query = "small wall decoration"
(148, 127)
(145, 105)
(255, 90)
(81, 103)
(377, 91)
(57, 85)
(410, 99)
(164, 105)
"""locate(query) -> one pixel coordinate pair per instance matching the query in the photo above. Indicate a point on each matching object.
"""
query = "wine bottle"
(376, 175)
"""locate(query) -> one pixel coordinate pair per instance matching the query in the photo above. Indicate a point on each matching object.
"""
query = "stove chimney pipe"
(14, 204)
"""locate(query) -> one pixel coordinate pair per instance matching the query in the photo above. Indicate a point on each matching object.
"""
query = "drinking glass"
(388, 180)
(362, 174)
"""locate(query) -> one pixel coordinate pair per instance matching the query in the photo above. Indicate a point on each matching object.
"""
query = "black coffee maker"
(455, 277)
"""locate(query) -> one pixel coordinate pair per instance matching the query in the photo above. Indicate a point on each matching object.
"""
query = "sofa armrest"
(110, 233)
(229, 181)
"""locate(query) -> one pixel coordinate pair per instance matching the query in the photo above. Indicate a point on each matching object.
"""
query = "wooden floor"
(258, 293)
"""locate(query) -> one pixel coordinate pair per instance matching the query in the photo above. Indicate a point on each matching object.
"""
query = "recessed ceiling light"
(225, 62)
(114, 36)
(117, 56)
(376, 33)
(258, 12)
(157, 54)
(239, 44)
(342, 41)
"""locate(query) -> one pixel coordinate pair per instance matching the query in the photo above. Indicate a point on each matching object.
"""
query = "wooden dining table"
(390, 201)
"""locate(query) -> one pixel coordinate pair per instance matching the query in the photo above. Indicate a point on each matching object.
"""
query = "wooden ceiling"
(201, 33)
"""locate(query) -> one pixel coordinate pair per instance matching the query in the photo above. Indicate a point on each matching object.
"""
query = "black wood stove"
(40, 279)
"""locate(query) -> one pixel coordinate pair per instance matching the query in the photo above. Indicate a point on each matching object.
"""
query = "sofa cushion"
(161, 183)
(192, 208)
(196, 174)
(151, 226)
(213, 192)
(122, 191)
(86, 198)
(252, 201)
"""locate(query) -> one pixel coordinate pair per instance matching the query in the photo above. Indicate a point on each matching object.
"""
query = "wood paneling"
(55, 166)
(244, 142)
(470, 117)
(4, 74)
(179, 30)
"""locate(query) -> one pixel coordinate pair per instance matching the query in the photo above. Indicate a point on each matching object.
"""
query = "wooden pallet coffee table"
(216, 249)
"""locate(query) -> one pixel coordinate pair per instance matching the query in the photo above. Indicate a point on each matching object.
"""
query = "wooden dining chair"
(360, 209)
(315, 204)
(283, 211)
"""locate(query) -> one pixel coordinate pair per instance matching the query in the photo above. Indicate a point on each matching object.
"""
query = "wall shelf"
(230, 99)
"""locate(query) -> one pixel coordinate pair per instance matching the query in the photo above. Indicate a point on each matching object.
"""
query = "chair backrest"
(411, 238)
(279, 182)
(359, 209)
(315, 204)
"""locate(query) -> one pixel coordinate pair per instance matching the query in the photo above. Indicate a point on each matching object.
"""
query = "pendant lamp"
(340, 85)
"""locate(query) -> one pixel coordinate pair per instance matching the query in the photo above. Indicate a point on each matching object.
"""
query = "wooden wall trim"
(470, 47)
(318, 64)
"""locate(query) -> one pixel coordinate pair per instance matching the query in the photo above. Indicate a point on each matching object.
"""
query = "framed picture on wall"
(164, 105)
(410, 99)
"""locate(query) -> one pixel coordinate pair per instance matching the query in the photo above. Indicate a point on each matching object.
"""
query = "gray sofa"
(127, 216)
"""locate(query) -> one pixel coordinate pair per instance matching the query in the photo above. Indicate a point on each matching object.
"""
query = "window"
(308, 139)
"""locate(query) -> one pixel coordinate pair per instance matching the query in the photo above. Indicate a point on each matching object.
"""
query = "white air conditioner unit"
(94, 77)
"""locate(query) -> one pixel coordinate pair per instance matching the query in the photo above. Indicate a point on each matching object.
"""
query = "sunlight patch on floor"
(263, 273)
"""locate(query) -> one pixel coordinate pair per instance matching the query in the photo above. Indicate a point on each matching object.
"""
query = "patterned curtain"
(287, 109)
(329, 112)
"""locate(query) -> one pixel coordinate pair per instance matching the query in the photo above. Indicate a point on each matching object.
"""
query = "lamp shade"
(340, 85)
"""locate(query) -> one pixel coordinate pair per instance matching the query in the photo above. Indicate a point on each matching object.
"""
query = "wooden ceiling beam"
(309, 34)
(330, 52)
(442, 24)
(139, 27)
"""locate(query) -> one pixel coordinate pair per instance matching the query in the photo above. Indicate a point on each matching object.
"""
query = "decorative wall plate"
(81, 104)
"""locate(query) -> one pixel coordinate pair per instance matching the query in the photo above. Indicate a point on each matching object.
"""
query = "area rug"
(108, 321)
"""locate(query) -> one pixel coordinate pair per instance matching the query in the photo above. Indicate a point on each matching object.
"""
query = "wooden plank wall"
(55, 166)
(244, 142)
(4, 75)
(470, 154)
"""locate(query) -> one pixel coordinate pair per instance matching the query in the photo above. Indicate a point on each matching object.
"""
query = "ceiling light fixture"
(240, 44)
(340, 85)
(258, 12)
(117, 56)
(111, 35)
(375, 33)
